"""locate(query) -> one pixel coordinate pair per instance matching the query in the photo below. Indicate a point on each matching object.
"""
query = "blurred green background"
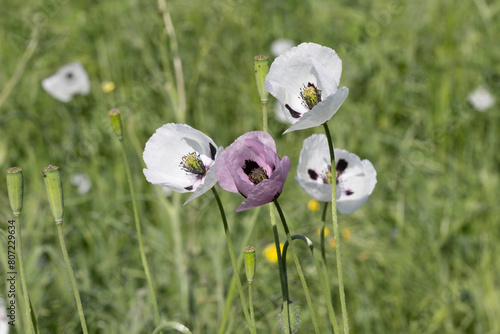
(421, 256)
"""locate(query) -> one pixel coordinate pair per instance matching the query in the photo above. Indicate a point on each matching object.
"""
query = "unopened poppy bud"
(249, 256)
(116, 122)
(53, 184)
(15, 189)
(261, 67)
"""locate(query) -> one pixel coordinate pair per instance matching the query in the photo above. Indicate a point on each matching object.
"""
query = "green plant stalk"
(250, 304)
(139, 234)
(281, 267)
(297, 265)
(232, 286)
(172, 325)
(233, 261)
(22, 274)
(72, 277)
(264, 115)
(336, 233)
(323, 227)
(320, 269)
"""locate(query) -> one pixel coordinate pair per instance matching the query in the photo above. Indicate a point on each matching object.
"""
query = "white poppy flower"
(278, 113)
(69, 80)
(305, 80)
(182, 159)
(355, 178)
(4, 325)
(281, 45)
(481, 99)
(82, 182)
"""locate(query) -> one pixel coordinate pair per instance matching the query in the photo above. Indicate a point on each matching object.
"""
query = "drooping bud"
(249, 256)
(261, 67)
(116, 122)
(53, 184)
(294, 316)
(15, 189)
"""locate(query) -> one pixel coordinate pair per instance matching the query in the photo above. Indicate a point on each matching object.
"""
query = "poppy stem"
(336, 232)
(139, 234)
(297, 265)
(251, 324)
(264, 115)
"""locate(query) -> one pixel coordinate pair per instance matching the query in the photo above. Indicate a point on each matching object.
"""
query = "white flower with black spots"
(70, 80)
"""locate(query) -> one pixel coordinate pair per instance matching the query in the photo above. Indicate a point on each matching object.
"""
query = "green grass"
(423, 256)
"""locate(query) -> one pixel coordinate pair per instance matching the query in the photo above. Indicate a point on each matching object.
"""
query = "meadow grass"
(422, 256)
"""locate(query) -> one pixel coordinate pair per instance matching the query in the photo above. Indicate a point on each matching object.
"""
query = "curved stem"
(233, 261)
(72, 277)
(172, 325)
(139, 234)
(22, 275)
(336, 233)
(297, 265)
(320, 268)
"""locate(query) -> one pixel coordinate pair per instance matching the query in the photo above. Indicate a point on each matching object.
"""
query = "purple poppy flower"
(251, 167)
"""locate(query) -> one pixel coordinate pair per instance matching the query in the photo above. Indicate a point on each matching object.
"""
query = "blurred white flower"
(355, 178)
(82, 182)
(69, 80)
(281, 45)
(481, 99)
(4, 326)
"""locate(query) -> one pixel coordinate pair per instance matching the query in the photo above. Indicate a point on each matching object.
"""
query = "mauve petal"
(224, 173)
(322, 112)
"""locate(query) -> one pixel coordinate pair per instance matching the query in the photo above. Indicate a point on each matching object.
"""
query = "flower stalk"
(249, 257)
(336, 235)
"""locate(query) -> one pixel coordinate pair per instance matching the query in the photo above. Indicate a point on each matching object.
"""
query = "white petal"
(481, 99)
(68, 81)
(279, 113)
(318, 191)
(314, 155)
(361, 184)
(4, 326)
(82, 182)
(322, 112)
(164, 152)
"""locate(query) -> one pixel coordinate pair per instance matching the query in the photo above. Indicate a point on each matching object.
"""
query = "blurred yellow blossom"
(327, 231)
(108, 86)
(270, 252)
(313, 205)
(332, 242)
(346, 234)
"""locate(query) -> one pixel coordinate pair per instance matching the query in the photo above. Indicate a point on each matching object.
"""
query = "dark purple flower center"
(255, 173)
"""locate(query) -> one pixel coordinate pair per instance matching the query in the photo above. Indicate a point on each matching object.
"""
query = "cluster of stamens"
(192, 163)
(255, 173)
(310, 95)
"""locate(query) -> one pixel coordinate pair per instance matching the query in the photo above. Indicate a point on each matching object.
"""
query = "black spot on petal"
(293, 113)
(189, 188)
(312, 174)
(349, 192)
(249, 166)
(69, 75)
(341, 166)
(213, 151)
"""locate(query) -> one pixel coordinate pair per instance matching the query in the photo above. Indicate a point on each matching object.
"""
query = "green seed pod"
(15, 189)
(53, 184)
(261, 67)
(249, 256)
(116, 122)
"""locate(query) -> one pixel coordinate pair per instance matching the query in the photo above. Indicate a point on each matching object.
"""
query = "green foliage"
(423, 252)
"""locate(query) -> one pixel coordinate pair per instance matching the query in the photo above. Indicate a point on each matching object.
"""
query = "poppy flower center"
(255, 173)
(192, 163)
(310, 95)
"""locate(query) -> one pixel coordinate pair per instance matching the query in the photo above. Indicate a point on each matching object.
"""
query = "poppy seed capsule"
(53, 184)
(261, 67)
(116, 123)
(249, 256)
(15, 189)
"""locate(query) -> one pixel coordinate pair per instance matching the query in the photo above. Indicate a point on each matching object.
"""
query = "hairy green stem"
(233, 262)
(139, 234)
(22, 274)
(250, 304)
(298, 267)
(336, 233)
(321, 274)
(264, 115)
(72, 277)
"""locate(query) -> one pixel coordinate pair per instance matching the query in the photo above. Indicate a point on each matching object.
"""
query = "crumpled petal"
(164, 154)
(69, 80)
